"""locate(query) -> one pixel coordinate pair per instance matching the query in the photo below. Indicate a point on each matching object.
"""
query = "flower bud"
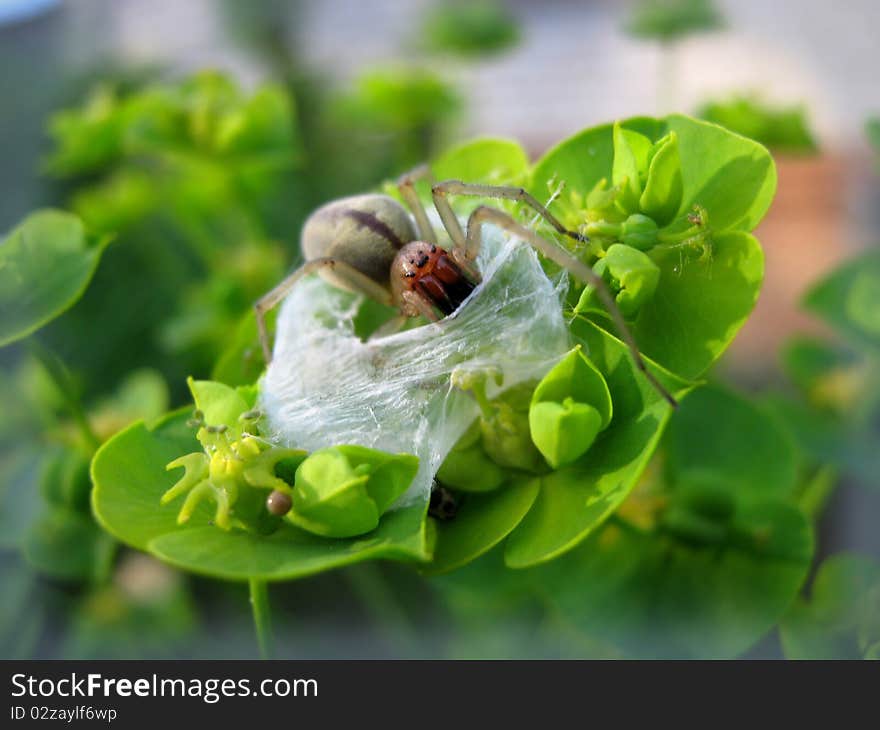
(630, 274)
(342, 491)
(505, 431)
(468, 468)
(569, 407)
(639, 231)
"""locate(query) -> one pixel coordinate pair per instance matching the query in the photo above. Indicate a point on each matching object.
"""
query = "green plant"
(681, 195)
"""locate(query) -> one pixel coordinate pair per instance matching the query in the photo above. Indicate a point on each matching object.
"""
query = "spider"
(369, 244)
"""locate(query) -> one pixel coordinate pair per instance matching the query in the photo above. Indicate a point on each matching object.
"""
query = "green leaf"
(842, 618)
(849, 300)
(730, 176)
(564, 431)
(569, 407)
(717, 436)
(580, 163)
(709, 281)
(487, 160)
(241, 362)
(482, 521)
(663, 191)
(576, 377)
(130, 477)
(700, 305)
(46, 263)
(656, 596)
(574, 501)
(399, 99)
(220, 404)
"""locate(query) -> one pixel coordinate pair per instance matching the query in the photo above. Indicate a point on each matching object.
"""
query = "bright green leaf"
(661, 197)
(574, 501)
(486, 160)
(730, 176)
(130, 478)
(631, 151)
(701, 304)
(569, 407)
(220, 404)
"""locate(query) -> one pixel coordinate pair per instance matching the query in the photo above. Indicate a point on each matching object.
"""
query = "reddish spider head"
(427, 271)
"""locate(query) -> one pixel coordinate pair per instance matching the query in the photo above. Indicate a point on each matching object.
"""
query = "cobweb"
(325, 386)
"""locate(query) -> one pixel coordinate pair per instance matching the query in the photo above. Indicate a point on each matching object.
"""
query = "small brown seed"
(278, 503)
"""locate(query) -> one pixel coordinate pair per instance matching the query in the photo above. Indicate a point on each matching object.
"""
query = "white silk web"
(325, 386)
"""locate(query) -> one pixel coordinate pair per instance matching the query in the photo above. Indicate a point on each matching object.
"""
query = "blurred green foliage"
(202, 187)
(470, 28)
(782, 129)
(697, 550)
(401, 110)
(872, 129)
(671, 20)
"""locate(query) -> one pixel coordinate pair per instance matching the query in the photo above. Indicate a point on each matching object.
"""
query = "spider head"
(426, 271)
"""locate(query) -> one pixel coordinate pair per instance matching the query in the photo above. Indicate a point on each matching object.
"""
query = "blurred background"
(375, 87)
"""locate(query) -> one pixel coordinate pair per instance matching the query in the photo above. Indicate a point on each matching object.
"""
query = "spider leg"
(485, 214)
(406, 187)
(391, 327)
(501, 192)
(420, 305)
(346, 272)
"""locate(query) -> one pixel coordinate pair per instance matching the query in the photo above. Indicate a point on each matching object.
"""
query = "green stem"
(259, 597)
(60, 376)
(479, 391)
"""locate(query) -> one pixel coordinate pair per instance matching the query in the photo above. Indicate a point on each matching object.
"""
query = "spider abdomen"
(365, 231)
